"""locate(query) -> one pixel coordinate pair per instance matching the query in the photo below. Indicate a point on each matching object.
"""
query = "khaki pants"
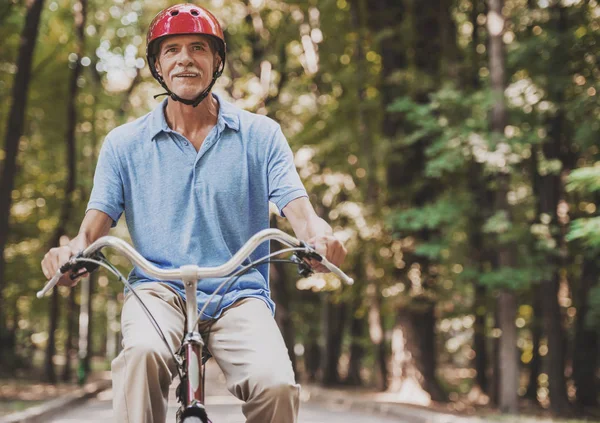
(245, 342)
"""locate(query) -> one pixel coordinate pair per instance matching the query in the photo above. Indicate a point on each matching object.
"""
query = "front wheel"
(195, 413)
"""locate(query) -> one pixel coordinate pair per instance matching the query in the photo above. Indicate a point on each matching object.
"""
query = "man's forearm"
(96, 224)
(305, 222)
(314, 226)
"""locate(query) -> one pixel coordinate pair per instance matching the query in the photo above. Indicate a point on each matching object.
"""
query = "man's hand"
(58, 256)
(316, 232)
(329, 247)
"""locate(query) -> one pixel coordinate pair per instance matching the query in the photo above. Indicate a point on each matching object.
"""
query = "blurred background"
(452, 144)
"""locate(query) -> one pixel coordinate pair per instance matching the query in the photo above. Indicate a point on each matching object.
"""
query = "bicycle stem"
(190, 282)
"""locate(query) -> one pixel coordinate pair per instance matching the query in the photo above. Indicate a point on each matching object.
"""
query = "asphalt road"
(99, 411)
(223, 408)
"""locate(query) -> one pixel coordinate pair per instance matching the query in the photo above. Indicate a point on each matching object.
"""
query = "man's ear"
(157, 67)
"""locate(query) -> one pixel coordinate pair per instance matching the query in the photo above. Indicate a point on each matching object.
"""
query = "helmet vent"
(194, 12)
(174, 12)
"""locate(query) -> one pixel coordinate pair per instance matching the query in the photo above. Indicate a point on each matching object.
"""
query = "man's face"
(187, 63)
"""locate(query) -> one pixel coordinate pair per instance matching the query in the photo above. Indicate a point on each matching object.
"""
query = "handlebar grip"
(336, 270)
(51, 283)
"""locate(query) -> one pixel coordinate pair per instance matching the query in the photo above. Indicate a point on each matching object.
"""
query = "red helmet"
(179, 20)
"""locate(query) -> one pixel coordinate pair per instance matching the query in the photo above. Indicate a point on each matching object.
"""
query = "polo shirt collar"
(158, 122)
(228, 116)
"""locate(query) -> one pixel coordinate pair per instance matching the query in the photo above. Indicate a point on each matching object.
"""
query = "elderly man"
(194, 178)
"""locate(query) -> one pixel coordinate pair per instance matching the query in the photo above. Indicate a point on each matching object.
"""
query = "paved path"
(223, 408)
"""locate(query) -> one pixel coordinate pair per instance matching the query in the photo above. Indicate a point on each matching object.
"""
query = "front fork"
(191, 390)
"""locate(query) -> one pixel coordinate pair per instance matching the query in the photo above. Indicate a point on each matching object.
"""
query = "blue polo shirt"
(187, 207)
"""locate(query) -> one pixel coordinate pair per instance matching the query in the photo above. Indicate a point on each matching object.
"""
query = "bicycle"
(192, 355)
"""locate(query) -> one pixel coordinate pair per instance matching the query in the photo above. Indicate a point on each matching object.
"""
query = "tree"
(80, 9)
(14, 130)
(584, 234)
(507, 304)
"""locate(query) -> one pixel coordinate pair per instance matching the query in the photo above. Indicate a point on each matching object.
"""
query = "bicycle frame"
(192, 399)
(189, 356)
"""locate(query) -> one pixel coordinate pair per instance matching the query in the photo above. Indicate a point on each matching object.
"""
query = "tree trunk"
(14, 130)
(483, 199)
(507, 304)
(71, 313)
(312, 353)
(333, 327)
(360, 15)
(386, 14)
(495, 387)
(413, 354)
(479, 338)
(585, 360)
(509, 374)
(71, 151)
(475, 56)
(553, 328)
(535, 366)
(418, 324)
(481, 259)
(377, 336)
(549, 197)
(87, 351)
(357, 334)
(49, 371)
(112, 328)
(279, 284)
(12, 340)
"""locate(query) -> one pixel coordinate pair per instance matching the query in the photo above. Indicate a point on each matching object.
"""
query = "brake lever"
(308, 253)
(299, 257)
(304, 268)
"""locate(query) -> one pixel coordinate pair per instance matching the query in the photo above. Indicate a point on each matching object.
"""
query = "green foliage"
(432, 216)
(586, 230)
(513, 278)
(433, 251)
(584, 180)
(420, 202)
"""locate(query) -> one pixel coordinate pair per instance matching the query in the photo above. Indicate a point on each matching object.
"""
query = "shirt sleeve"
(107, 192)
(284, 182)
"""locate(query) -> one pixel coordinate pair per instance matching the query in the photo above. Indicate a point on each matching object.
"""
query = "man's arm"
(95, 224)
(309, 227)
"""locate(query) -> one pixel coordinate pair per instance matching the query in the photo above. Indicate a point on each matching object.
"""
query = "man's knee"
(282, 391)
(269, 384)
(144, 351)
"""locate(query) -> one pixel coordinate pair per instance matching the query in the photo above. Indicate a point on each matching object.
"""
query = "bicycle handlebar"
(198, 272)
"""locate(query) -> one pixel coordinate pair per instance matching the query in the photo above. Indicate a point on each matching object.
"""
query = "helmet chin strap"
(195, 101)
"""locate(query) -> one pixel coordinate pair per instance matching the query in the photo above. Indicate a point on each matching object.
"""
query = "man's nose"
(184, 58)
